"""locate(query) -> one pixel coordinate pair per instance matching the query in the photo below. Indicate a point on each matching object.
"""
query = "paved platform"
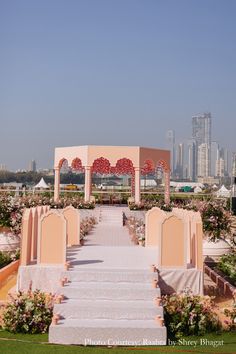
(109, 246)
(109, 296)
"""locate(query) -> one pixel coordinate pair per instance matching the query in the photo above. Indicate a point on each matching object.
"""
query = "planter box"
(223, 285)
(8, 270)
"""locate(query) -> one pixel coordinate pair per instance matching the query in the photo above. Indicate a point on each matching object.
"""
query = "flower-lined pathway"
(110, 298)
(109, 245)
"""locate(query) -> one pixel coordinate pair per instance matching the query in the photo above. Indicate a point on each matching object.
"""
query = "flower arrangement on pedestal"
(215, 220)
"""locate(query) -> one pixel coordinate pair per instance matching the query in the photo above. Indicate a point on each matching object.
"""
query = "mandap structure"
(132, 160)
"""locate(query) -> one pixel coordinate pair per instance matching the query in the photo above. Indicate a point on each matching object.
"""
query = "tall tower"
(179, 171)
(224, 154)
(191, 175)
(170, 136)
(214, 157)
(201, 133)
(203, 160)
(234, 164)
(32, 166)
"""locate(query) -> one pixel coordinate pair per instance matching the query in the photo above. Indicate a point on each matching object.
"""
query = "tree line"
(30, 177)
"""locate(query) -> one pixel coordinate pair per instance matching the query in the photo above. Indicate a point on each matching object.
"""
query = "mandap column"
(87, 186)
(167, 187)
(56, 184)
(137, 185)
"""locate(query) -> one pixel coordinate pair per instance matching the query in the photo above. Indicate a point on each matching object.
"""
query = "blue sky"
(112, 72)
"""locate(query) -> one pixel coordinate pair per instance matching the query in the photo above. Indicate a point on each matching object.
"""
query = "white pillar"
(87, 186)
(56, 184)
(137, 185)
(167, 187)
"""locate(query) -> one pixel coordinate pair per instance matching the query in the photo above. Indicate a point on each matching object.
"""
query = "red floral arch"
(61, 162)
(124, 166)
(148, 167)
(77, 165)
(163, 165)
(101, 165)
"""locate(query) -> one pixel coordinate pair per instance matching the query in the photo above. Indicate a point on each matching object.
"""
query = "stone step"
(106, 291)
(108, 309)
(107, 332)
(94, 275)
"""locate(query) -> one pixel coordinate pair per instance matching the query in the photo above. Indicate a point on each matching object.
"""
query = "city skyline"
(180, 153)
(200, 155)
(112, 73)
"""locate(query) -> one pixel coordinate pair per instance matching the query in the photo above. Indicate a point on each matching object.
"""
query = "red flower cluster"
(147, 168)
(101, 165)
(77, 165)
(123, 166)
(163, 165)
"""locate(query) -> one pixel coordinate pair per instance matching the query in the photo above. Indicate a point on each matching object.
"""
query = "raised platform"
(109, 299)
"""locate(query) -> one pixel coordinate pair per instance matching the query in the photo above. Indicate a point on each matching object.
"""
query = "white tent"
(42, 184)
(214, 186)
(223, 192)
(197, 190)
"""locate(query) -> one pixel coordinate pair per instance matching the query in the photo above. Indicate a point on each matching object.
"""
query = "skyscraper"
(170, 136)
(191, 174)
(220, 167)
(32, 166)
(203, 160)
(234, 164)
(201, 133)
(3, 167)
(214, 157)
(179, 171)
(224, 154)
(201, 128)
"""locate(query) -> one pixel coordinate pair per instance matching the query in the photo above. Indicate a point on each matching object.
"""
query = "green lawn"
(37, 344)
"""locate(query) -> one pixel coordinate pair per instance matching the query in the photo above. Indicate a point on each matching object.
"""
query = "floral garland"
(61, 162)
(77, 165)
(124, 166)
(101, 165)
(147, 168)
(163, 165)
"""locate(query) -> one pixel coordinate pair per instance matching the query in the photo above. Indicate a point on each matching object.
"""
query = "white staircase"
(109, 299)
(108, 307)
(111, 215)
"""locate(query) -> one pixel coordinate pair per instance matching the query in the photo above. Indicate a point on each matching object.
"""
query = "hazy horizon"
(119, 72)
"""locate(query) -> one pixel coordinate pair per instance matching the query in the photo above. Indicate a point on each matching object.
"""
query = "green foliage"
(5, 209)
(30, 177)
(8, 257)
(231, 314)
(5, 259)
(227, 265)
(188, 314)
(215, 219)
(29, 312)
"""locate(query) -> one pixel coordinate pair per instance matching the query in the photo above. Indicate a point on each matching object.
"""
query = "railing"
(109, 191)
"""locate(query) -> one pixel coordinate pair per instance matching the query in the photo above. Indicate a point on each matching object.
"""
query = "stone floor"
(109, 246)
(109, 296)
